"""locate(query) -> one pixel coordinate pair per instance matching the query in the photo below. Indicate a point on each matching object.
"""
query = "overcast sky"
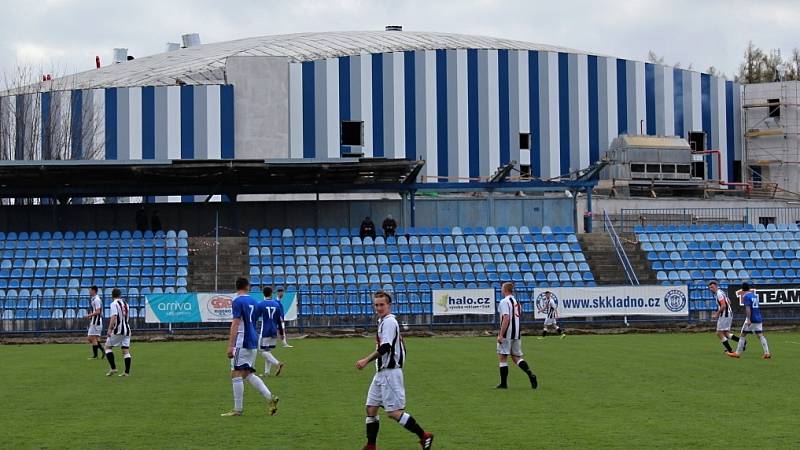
(65, 35)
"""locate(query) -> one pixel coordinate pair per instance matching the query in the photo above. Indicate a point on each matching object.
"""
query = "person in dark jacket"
(155, 223)
(367, 228)
(141, 220)
(389, 226)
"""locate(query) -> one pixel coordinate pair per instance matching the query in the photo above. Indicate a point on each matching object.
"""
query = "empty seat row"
(301, 232)
(70, 235)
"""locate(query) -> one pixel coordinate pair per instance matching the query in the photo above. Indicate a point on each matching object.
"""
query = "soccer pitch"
(623, 391)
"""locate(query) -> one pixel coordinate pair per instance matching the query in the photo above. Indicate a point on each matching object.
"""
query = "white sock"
(272, 359)
(258, 383)
(740, 347)
(267, 364)
(764, 344)
(238, 393)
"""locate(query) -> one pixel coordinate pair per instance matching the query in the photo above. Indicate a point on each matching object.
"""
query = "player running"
(271, 313)
(387, 389)
(95, 323)
(119, 334)
(509, 339)
(279, 298)
(752, 323)
(724, 316)
(550, 310)
(242, 347)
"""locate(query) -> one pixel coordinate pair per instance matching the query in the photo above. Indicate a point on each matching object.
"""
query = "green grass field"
(631, 391)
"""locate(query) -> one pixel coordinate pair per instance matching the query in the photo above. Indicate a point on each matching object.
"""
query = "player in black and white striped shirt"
(387, 389)
(724, 316)
(95, 323)
(509, 339)
(119, 333)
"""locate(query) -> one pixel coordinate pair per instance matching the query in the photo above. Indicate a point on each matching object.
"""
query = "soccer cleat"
(767, 356)
(231, 414)
(285, 345)
(563, 335)
(369, 447)
(427, 441)
(732, 354)
(501, 386)
(540, 338)
(111, 372)
(273, 406)
(534, 381)
(124, 374)
(92, 357)
(278, 371)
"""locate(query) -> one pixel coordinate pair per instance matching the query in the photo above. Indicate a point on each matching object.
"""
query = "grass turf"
(632, 391)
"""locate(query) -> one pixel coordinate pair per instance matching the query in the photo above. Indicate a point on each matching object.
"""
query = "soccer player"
(95, 323)
(724, 316)
(279, 297)
(271, 313)
(119, 334)
(387, 389)
(550, 309)
(242, 348)
(509, 339)
(752, 323)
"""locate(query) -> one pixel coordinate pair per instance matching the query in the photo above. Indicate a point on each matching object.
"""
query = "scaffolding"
(771, 117)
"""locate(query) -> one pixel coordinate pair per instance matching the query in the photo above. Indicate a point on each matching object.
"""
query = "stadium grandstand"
(262, 156)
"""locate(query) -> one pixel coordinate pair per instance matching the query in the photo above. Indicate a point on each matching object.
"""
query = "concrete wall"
(261, 89)
(200, 218)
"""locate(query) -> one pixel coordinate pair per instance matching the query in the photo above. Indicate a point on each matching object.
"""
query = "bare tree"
(793, 65)
(652, 57)
(48, 119)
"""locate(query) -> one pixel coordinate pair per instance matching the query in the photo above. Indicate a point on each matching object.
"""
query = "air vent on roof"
(120, 55)
(172, 46)
(190, 40)
(394, 28)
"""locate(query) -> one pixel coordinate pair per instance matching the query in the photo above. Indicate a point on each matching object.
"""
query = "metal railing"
(631, 218)
(623, 257)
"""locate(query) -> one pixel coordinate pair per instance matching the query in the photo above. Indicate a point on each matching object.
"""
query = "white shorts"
(550, 321)
(724, 323)
(753, 328)
(387, 390)
(268, 343)
(118, 340)
(95, 330)
(244, 359)
(510, 347)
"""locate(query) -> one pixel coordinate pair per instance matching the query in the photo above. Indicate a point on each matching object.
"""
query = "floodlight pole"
(413, 213)
(216, 250)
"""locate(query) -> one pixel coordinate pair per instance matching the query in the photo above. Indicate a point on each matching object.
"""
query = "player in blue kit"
(242, 348)
(753, 323)
(271, 313)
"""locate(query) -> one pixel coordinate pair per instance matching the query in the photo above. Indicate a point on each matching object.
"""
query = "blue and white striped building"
(464, 104)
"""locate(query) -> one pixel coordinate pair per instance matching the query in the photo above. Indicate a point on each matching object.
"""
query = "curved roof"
(205, 64)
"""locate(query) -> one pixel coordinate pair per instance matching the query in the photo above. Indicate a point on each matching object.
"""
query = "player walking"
(387, 389)
(724, 316)
(119, 334)
(753, 323)
(509, 339)
(279, 298)
(95, 323)
(242, 348)
(271, 313)
(550, 310)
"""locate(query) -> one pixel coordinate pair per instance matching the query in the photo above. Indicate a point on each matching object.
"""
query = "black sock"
(412, 426)
(525, 367)
(560, 330)
(94, 350)
(372, 430)
(110, 358)
(102, 351)
(544, 333)
(727, 346)
(127, 364)
(734, 338)
(503, 375)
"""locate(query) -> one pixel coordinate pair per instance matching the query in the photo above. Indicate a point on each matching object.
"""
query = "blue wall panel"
(148, 122)
(650, 98)
(534, 118)
(441, 112)
(730, 130)
(227, 130)
(677, 89)
(76, 124)
(309, 143)
(594, 115)
(622, 96)
(410, 86)
(502, 76)
(473, 113)
(111, 123)
(377, 105)
(563, 111)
